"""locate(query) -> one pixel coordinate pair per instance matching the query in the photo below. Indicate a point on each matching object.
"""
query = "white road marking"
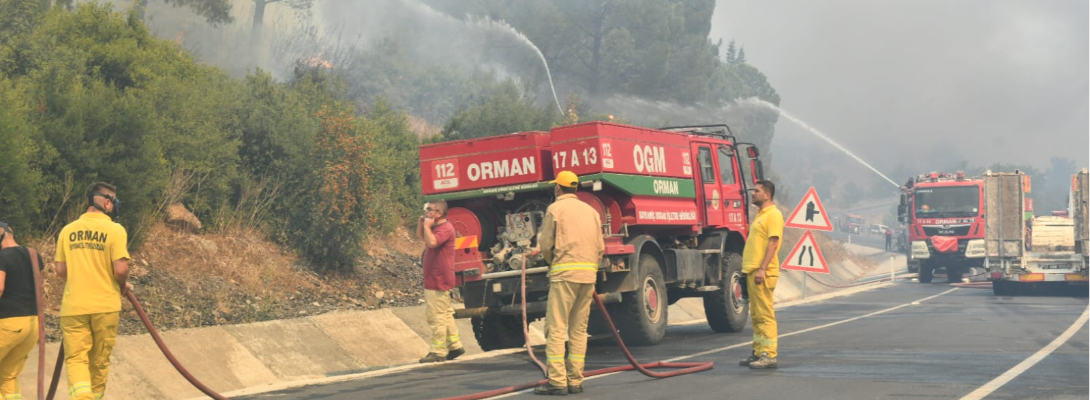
(750, 343)
(813, 328)
(1028, 363)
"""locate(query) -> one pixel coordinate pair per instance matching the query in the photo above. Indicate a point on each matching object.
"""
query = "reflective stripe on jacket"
(571, 240)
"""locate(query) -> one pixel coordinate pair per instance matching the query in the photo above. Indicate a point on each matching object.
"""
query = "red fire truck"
(674, 210)
(943, 214)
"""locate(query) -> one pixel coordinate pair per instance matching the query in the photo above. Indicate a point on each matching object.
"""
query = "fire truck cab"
(943, 214)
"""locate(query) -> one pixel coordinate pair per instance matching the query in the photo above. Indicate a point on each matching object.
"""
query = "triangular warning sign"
(806, 256)
(810, 214)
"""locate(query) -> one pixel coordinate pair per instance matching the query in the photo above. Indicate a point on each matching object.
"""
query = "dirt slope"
(185, 280)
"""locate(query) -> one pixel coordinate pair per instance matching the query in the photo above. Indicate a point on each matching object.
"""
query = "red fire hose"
(166, 352)
(685, 368)
(147, 323)
(526, 325)
(41, 319)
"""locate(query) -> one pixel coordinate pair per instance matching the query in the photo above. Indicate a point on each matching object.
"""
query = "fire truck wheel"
(496, 332)
(641, 315)
(926, 269)
(724, 308)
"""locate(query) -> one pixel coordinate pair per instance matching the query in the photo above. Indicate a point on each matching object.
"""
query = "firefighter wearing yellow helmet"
(571, 242)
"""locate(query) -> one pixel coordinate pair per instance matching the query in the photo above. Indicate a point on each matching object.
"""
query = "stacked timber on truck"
(1046, 259)
(1079, 206)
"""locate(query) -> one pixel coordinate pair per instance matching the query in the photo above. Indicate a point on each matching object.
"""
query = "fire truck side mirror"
(901, 213)
(751, 152)
(757, 169)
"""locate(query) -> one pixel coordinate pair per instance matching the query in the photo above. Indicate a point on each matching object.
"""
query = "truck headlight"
(919, 250)
(974, 249)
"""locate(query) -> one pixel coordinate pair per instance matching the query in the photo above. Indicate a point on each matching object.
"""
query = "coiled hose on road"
(685, 368)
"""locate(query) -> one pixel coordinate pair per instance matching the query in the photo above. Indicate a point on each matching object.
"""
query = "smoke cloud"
(925, 83)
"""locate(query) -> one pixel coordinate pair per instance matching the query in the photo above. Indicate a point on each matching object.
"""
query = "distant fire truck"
(943, 215)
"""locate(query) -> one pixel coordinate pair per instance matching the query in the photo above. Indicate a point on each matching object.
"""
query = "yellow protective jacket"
(571, 240)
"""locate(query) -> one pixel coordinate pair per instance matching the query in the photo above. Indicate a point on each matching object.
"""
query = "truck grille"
(951, 231)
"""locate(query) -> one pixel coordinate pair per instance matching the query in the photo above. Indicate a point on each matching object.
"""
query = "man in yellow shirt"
(93, 259)
(761, 265)
(571, 241)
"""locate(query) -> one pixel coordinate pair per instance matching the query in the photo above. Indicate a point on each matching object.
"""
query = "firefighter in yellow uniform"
(571, 241)
(92, 257)
(761, 265)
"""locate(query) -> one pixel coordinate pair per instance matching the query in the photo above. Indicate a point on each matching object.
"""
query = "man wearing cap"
(571, 242)
(18, 310)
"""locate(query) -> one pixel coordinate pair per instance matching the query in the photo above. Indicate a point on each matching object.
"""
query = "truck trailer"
(1028, 253)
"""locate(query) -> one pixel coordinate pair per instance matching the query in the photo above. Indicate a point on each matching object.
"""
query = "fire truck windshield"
(945, 202)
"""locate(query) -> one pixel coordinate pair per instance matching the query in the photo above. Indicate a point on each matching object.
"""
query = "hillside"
(185, 280)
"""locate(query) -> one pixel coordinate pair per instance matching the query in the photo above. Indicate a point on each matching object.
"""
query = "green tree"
(335, 225)
(115, 104)
(395, 182)
(505, 111)
(20, 17)
(21, 187)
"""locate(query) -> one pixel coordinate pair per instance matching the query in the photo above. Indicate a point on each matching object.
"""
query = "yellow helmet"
(566, 179)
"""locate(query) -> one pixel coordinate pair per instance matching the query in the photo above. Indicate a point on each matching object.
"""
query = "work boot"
(763, 362)
(431, 358)
(455, 353)
(752, 357)
(575, 389)
(550, 390)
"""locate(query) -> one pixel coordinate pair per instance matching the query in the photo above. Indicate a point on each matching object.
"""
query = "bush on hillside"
(90, 95)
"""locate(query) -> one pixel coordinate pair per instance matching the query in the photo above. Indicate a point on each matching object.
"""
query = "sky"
(986, 81)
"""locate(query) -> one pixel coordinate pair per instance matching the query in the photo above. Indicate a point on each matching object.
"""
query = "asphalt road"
(902, 341)
(865, 239)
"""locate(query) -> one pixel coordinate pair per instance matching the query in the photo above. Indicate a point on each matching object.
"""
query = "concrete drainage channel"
(239, 360)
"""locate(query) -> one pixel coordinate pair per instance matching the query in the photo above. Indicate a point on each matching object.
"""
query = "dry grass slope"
(185, 280)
